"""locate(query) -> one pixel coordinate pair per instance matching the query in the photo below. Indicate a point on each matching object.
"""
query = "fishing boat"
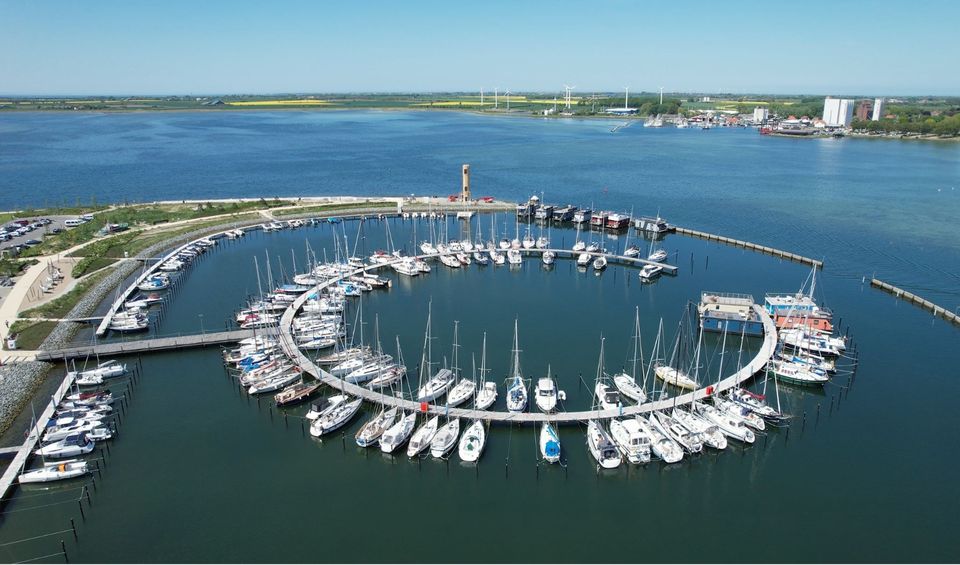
(369, 434)
(549, 443)
(296, 393)
(516, 388)
(473, 441)
(399, 433)
(422, 438)
(70, 446)
(661, 445)
(445, 438)
(546, 394)
(55, 472)
(336, 418)
(649, 273)
(631, 439)
(602, 447)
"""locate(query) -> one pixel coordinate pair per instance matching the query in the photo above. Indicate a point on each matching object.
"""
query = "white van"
(87, 217)
(73, 222)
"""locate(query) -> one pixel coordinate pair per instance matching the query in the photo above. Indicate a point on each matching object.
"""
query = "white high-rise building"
(838, 112)
(878, 109)
(760, 115)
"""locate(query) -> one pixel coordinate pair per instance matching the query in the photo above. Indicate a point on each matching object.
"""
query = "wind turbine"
(661, 96)
(496, 99)
(566, 95)
(507, 94)
(626, 96)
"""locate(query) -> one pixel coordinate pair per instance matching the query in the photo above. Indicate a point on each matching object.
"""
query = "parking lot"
(14, 235)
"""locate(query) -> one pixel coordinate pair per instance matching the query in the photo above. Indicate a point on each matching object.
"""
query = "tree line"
(948, 126)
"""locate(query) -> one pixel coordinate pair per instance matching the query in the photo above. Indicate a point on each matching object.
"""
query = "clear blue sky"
(213, 46)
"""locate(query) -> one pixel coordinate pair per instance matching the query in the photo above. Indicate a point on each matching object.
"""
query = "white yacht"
(631, 439)
(546, 394)
(602, 447)
(549, 443)
(473, 441)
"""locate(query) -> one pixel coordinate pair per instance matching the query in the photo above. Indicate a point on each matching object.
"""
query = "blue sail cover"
(552, 449)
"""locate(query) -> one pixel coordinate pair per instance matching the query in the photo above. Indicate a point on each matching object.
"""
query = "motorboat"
(57, 433)
(514, 257)
(546, 394)
(473, 441)
(406, 267)
(600, 263)
(548, 257)
(602, 447)
(70, 446)
(631, 439)
(399, 433)
(583, 259)
(55, 472)
(445, 438)
(422, 438)
(658, 256)
(797, 373)
(631, 251)
(649, 273)
(549, 443)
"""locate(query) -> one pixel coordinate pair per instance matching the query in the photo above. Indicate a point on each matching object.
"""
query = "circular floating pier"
(290, 349)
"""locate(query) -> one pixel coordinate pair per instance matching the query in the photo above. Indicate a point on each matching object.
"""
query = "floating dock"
(752, 246)
(148, 345)
(948, 315)
(289, 346)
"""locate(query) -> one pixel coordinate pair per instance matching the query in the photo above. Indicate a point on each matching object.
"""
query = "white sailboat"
(627, 384)
(549, 443)
(338, 417)
(473, 441)
(660, 444)
(445, 438)
(464, 388)
(432, 387)
(602, 448)
(516, 388)
(487, 392)
(422, 438)
(399, 433)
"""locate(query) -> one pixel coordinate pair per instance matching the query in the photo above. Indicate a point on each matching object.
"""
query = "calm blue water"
(873, 480)
(867, 207)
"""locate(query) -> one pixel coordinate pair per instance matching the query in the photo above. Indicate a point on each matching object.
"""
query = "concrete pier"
(948, 315)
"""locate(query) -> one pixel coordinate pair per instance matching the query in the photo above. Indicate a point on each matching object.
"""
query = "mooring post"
(818, 413)
(303, 432)
(803, 425)
(73, 527)
(63, 548)
(285, 426)
(343, 440)
(87, 492)
(82, 515)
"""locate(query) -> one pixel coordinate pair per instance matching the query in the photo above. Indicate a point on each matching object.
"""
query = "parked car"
(55, 230)
(32, 242)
